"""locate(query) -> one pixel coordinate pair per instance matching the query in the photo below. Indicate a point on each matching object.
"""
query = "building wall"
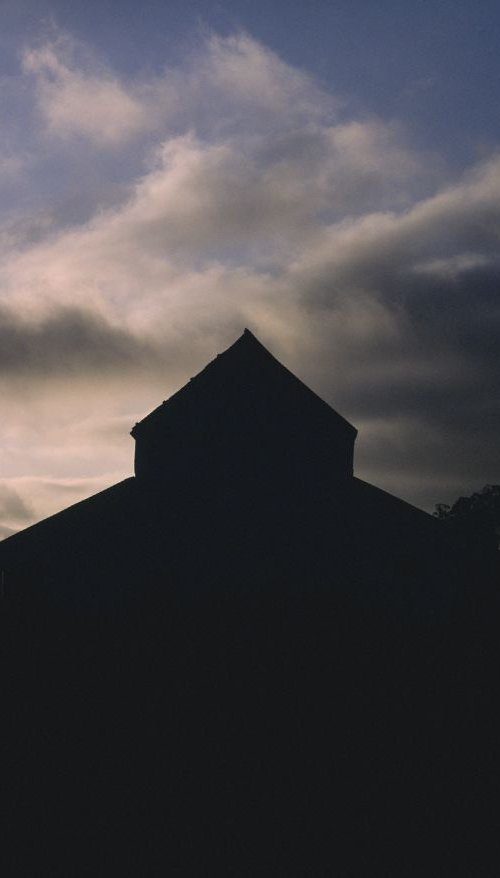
(163, 455)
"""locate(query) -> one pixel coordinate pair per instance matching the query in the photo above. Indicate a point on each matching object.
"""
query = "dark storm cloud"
(445, 356)
(68, 339)
(415, 297)
(462, 311)
(407, 307)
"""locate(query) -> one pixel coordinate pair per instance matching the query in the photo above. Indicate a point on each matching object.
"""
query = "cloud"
(12, 505)
(75, 102)
(239, 82)
(257, 201)
(66, 341)
(15, 512)
(226, 85)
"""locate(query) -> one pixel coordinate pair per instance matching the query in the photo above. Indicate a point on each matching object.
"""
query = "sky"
(325, 174)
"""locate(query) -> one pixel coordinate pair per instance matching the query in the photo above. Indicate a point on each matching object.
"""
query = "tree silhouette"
(477, 516)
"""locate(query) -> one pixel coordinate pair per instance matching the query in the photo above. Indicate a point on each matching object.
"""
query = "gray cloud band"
(68, 340)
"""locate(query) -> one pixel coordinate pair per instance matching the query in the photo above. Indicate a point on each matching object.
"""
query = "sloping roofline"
(248, 344)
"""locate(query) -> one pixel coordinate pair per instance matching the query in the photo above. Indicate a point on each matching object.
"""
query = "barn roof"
(246, 367)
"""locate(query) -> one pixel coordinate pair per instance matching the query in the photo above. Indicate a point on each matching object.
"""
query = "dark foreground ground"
(286, 687)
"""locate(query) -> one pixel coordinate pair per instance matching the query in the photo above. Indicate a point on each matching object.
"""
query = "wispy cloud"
(75, 102)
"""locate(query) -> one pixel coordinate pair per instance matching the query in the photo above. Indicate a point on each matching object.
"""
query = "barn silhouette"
(244, 477)
(243, 660)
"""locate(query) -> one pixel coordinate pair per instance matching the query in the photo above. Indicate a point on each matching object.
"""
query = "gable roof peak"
(244, 366)
(248, 336)
(248, 341)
